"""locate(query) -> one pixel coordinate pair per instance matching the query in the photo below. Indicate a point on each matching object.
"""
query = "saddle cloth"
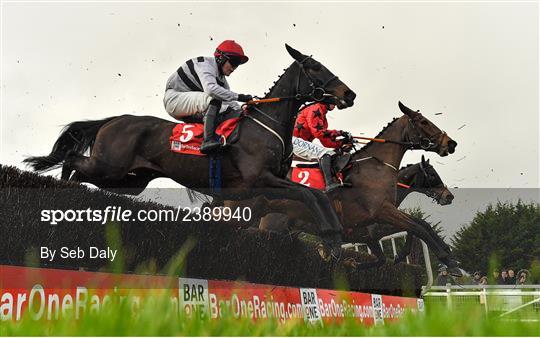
(187, 138)
(310, 176)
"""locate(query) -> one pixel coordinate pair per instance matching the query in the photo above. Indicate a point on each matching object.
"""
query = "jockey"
(311, 124)
(200, 86)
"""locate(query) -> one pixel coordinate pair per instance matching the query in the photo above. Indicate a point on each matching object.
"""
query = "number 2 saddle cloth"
(309, 175)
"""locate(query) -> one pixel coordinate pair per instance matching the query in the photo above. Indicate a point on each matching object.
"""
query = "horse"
(373, 175)
(127, 152)
(420, 177)
(423, 178)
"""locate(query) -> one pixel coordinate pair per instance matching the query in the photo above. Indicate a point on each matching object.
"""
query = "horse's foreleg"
(412, 225)
(378, 231)
(376, 250)
(406, 250)
(315, 201)
(433, 234)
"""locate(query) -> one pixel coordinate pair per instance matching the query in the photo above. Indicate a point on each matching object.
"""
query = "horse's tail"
(76, 137)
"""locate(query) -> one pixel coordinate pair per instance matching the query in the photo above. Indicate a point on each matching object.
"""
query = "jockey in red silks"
(199, 86)
(311, 124)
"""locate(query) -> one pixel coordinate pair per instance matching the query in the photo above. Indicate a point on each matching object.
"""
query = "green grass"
(159, 318)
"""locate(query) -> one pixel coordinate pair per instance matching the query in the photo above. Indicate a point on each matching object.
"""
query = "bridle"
(420, 141)
(417, 142)
(425, 183)
(316, 94)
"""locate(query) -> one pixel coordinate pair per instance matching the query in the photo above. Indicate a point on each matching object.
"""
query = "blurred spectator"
(476, 278)
(444, 278)
(503, 278)
(511, 280)
(522, 276)
(496, 277)
(483, 281)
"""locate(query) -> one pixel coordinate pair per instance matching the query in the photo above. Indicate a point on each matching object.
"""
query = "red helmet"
(230, 50)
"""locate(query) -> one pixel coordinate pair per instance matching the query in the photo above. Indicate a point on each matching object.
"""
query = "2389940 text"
(225, 214)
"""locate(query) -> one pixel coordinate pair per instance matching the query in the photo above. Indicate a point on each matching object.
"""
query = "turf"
(159, 318)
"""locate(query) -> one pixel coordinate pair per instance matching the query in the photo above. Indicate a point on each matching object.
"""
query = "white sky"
(477, 63)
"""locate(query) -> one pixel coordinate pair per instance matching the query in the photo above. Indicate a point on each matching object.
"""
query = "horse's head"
(426, 135)
(430, 180)
(317, 83)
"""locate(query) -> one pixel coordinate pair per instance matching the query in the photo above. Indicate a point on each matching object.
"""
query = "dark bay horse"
(424, 179)
(373, 176)
(127, 152)
(420, 177)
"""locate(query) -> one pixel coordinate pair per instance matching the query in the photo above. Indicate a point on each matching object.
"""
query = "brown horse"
(373, 176)
(420, 177)
(127, 152)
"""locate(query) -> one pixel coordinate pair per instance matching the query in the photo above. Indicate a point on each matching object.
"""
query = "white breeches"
(181, 104)
(309, 151)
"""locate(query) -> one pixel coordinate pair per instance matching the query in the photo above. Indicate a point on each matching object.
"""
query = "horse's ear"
(423, 165)
(406, 110)
(294, 53)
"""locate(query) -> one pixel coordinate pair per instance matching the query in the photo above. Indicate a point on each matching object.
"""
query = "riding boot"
(211, 142)
(325, 162)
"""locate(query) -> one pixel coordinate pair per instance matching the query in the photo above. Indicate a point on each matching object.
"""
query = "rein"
(382, 140)
(268, 116)
(428, 186)
(425, 143)
(373, 157)
(317, 94)
(269, 129)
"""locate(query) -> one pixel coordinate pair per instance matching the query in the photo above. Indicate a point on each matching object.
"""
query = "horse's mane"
(276, 82)
(379, 134)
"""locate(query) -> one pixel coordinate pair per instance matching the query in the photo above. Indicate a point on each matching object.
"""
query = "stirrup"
(210, 147)
(332, 187)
